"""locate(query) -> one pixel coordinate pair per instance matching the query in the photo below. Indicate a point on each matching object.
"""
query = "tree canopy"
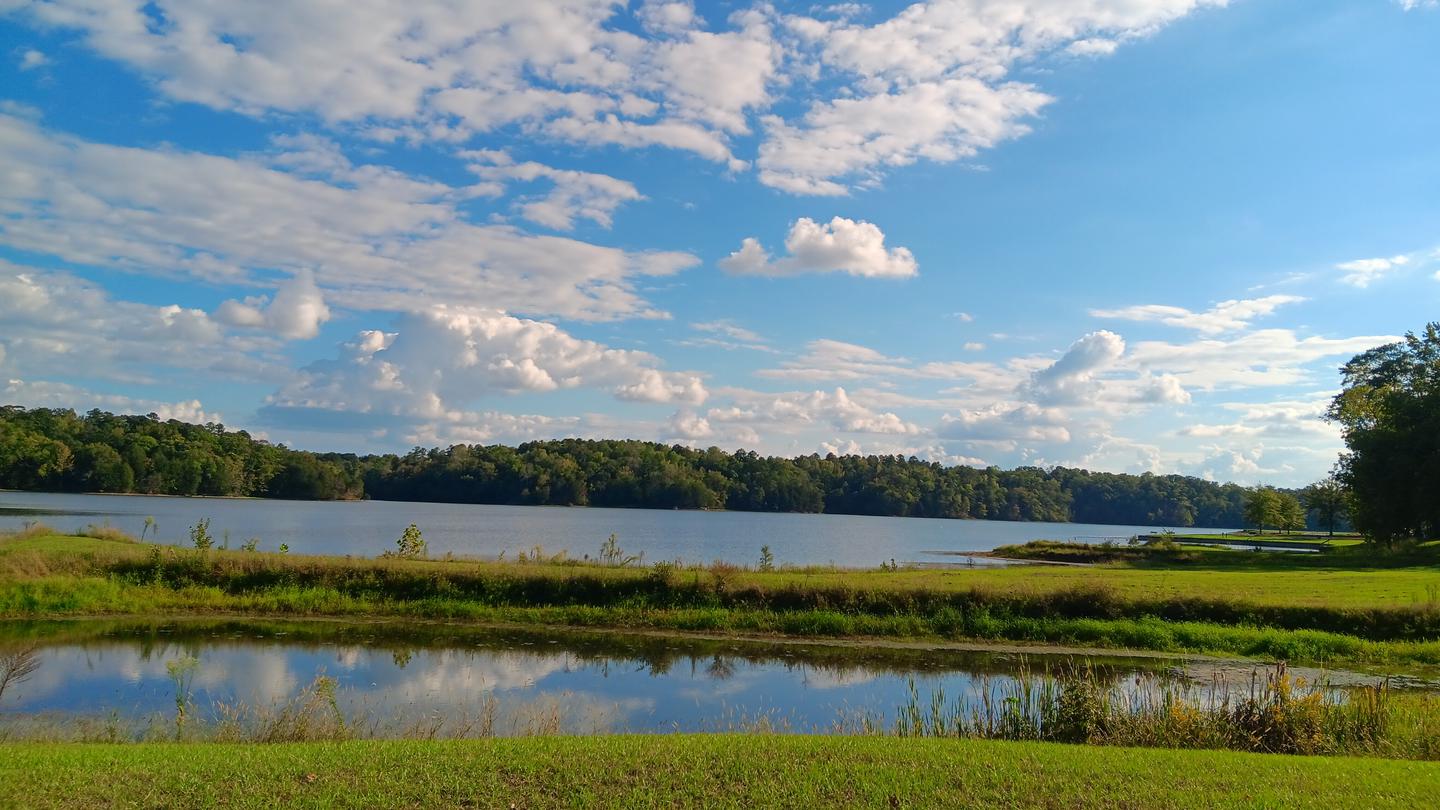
(1389, 412)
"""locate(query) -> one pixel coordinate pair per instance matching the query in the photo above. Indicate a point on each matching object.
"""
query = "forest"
(59, 450)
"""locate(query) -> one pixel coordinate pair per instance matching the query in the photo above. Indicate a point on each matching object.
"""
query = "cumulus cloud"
(839, 246)
(296, 313)
(440, 362)
(1073, 378)
(1226, 316)
(1363, 272)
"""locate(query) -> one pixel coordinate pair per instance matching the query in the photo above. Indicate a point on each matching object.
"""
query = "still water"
(393, 678)
(366, 528)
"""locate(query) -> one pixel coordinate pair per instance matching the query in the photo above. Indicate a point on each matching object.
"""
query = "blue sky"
(1128, 235)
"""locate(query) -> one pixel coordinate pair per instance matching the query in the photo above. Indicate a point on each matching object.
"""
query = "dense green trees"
(1328, 501)
(644, 474)
(99, 452)
(1389, 412)
(44, 449)
(1269, 508)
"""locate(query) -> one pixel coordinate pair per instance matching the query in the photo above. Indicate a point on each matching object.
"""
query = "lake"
(366, 528)
(400, 679)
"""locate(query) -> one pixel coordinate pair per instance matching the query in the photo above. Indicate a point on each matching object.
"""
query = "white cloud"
(296, 313)
(1363, 272)
(121, 340)
(930, 83)
(573, 194)
(437, 364)
(1265, 358)
(689, 425)
(1226, 316)
(840, 246)
(31, 59)
(791, 411)
(1006, 424)
(943, 121)
(1073, 378)
(725, 334)
(374, 239)
(667, 16)
(45, 394)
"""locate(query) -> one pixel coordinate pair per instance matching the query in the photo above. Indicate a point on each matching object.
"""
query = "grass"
(713, 770)
(1338, 607)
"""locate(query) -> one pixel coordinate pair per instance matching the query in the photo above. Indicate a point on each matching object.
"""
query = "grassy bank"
(1375, 610)
(724, 770)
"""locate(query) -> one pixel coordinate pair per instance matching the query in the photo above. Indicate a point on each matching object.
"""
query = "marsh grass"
(1276, 712)
(42, 574)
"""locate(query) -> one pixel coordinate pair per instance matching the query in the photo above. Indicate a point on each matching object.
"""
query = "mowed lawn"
(696, 770)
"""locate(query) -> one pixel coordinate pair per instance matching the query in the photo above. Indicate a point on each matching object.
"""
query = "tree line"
(59, 450)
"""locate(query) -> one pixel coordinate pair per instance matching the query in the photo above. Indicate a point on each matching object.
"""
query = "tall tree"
(1327, 500)
(1389, 413)
(1262, 508)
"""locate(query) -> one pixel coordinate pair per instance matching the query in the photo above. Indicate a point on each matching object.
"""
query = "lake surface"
(366, 528)
(397, 677)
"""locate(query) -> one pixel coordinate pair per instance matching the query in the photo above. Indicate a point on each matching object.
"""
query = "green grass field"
(680, 771)
(1339, 607)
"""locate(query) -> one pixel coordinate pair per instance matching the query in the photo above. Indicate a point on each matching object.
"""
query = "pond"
(395, 679)
(366, 528)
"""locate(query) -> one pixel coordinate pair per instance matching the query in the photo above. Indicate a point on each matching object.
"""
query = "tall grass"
(1276, 713)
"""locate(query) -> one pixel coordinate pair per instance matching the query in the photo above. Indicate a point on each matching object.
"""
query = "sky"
(1125, 235)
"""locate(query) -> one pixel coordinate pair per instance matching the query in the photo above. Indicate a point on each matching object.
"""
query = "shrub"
(200, 535)
(410, 546)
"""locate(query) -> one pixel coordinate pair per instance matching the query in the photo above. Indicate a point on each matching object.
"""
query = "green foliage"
(636, 474)
(1389, 413)
(200, 536)
(767, 559)
(56, 450)
(1267, 507)
(1328, 501)
(182, 676)
(411, 545)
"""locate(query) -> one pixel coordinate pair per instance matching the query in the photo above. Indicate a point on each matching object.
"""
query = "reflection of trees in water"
(720, 668)
(717, 658)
